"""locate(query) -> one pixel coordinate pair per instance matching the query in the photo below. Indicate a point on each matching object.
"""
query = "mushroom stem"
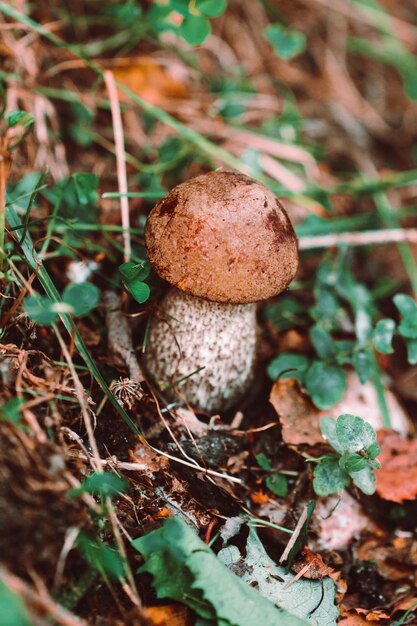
(190, 333)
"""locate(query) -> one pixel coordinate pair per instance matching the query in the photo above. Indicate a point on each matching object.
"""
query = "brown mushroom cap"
(224, 237)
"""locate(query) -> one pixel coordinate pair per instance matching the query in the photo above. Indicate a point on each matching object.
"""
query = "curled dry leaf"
(396, 481)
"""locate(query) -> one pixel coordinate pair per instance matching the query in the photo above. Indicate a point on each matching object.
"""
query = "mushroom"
(224, 242)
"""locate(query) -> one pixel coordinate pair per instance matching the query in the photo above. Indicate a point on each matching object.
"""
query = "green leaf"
(328, 429)
(373, 450)
(362, 365)
(288, 365)
(194, 29)
(133, 275)
(139, 291)
(135, 271)
(263, 462)
(101, 556)
(12, 609)
(352, 462)
(10, 410)
(278, 484)
(326, 384)
(185, 569)
(408, 309)
(411, 350)
(329, 478)
(383, 334)
(180, 6)
(19, 118)
(322, 342)
(40, 309)
(211, 8)
(310, 600)
(83, 297)
(354, 433)
(365, 480)
(103, 484)
(286, 43)
(85, 187)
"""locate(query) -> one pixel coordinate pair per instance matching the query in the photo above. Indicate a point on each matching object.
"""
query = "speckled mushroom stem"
(189, 333)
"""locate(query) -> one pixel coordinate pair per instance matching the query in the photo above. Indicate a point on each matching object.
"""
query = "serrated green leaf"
(211, 8)
(103, 484)
(352, 462)
(328, 428)
(288, 365)
(408, 309)
(83, 297)
(12, 609)
(263, 462)
(326, 384)
(185, 569)
(363, 365)
(286, 43)
(411, 350)
(194, 29)
(365, 480)
(40, 309)
(354, 433)
(322, 342)
(278, 484)
(329, 478)
(383, 334)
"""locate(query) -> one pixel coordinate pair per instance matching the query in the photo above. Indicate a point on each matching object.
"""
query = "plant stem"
(5, 163)
(379, 388)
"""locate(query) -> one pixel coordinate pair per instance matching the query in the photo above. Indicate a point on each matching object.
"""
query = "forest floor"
(121, 504)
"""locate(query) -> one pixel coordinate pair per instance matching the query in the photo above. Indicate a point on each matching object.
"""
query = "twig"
(363, 238)
(120, 159)
(294, 536)
(141, 467)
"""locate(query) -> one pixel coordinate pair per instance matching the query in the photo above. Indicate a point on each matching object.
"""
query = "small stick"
(120, 159)
(363, 238)
(294, 536)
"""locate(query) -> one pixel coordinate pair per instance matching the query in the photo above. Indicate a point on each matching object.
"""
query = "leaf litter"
(203, 468)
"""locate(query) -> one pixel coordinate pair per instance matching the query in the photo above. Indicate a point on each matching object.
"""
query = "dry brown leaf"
(359, 616)
(299, 418)
(396, 481)
(394, 560)
(149, 80)
(169, 615)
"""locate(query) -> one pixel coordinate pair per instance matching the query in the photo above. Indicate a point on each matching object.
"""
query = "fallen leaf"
(300, 419)
(169, 615)
(149, 80)
(396, 481)
(341, 519)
